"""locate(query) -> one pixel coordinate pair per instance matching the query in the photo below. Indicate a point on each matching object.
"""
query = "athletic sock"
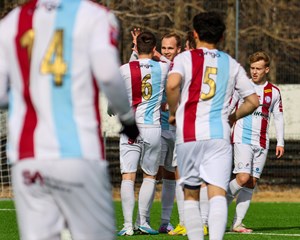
(217, 218)
(167, 200)
(128, 201)
(233, 190)
(146, 196)
(242, 205)
(204, 205)
(192, 220)
(180, 202)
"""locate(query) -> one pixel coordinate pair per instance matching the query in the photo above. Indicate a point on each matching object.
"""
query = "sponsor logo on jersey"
(268, 90)
(260, 114)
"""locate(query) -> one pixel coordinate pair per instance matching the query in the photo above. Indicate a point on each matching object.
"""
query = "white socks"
(204, 205)
(192, 220)
(180, 202)
(128, 201)
(167, 200)
(146, 196)
(233, 190)
(242, 205)
(217, 217)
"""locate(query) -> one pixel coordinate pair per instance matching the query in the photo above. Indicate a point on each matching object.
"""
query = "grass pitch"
(270, 221)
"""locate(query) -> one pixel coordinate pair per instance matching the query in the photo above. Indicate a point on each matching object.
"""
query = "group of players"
(200, 120)
(176, 110)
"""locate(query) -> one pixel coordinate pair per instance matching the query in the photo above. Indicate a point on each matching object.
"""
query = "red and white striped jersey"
(209, 78)
(54, 55)
(145, 81)
(253, 129)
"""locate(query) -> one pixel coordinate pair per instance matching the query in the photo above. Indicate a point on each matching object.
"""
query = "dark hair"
(260, 55)
(209, 26)
(145, 42)
(175, 35)
(190, 37)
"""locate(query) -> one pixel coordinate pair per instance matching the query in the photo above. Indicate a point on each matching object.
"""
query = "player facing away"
(145, 81)
(54, 56)
(251, 140)
(199, 89)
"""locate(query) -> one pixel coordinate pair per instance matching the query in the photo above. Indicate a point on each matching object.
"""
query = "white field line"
(7, 209)
(267, 234)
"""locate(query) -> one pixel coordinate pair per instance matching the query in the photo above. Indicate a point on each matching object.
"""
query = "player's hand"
(131, 131)
(232, 119)
(172, 120)
(164, 107)
(279, 151)
(134, 33)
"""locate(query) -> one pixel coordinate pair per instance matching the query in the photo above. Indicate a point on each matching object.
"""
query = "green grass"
(270, 221)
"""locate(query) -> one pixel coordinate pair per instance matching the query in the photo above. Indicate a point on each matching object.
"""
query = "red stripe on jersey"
(280, 103)
(98, 117)
(267, 99)
(26, 144)
(136, 83)
(190, 108)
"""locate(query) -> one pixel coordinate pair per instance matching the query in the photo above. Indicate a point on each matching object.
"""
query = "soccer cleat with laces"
(241, 228)
(147, 229)
(165, 228)
(126, 231)
(179, 230)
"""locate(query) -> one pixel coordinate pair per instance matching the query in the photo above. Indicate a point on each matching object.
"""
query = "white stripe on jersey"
(208, 80)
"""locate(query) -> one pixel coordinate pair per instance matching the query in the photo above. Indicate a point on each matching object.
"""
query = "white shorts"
(207, 161)
(167, 149)
(146, 150)
(249, 159)
(50, 195)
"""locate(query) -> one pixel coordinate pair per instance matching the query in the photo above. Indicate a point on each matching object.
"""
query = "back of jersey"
(54, 112)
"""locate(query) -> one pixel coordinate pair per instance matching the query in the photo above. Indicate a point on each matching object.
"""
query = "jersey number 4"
(52, 62)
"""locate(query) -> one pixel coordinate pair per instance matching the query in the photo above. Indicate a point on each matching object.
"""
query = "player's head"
(209, 27)
(146, 43)
(190, 41)
(259, 66)
(170, 45)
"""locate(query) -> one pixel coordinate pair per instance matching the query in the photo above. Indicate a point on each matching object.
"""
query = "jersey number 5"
(210, 82)
(52, 61)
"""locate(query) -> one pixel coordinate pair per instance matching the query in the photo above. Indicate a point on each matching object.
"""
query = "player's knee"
(243, 179)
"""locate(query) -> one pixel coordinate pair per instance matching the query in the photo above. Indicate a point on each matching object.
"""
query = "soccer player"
(199, 89)
(250, 138)
(145, 81)
(170, 47)
(54, 56)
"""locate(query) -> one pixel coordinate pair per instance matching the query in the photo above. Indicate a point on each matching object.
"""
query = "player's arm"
(233, 102)
(4, 85)
(247, 107)
(105, 66)
(173, 95)
(279, 126)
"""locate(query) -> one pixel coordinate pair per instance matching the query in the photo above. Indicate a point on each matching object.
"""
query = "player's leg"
(129, 159)
(149, 165)
(188, 166)
(38, 215)
(215, 171)
(243, 155)
(84, 195)
(204, 207)
(168, 181)
(245, 195)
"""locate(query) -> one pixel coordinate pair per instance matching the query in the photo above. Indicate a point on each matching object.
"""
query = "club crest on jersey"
(267, 99)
